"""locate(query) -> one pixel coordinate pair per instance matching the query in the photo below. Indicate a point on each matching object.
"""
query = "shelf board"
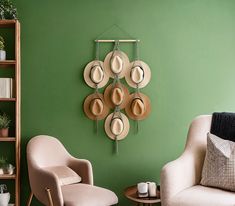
(7, 63)
(7, 23)
(7, 139)
(7, 177)
(7, 99)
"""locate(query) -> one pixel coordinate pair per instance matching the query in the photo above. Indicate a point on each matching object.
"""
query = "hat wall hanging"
(116, 96)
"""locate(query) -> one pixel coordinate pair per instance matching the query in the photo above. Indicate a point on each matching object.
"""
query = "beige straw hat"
(138, 74)
(138, 107)
(116, 95)
(94, 107)
(94, 74)
(116, 63)
(117, 125)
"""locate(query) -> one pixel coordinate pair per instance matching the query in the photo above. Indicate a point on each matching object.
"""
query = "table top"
(131, 193)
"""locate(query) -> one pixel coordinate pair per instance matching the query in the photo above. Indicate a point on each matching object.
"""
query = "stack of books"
(6, 88)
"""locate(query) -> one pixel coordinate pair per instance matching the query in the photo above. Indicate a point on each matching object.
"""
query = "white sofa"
(180, 179)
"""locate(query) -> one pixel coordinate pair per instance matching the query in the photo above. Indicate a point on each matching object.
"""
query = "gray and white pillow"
(219, 164)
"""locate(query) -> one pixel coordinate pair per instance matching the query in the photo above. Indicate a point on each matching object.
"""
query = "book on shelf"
(6, 87)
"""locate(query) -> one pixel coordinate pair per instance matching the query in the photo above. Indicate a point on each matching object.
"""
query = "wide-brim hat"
(117, 123)
(138, 107)
(95, 107)
(116, 64)
(138, 74)
(94, 74)
(116, 95)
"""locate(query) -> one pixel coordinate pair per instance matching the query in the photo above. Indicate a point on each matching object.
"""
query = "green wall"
(189, 45)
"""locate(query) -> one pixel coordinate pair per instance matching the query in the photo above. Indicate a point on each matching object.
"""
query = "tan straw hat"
(138, 74)
(116, 63)
(116, 95)
(94, 107)
(94, 74)
(117, 125)
(138, 107)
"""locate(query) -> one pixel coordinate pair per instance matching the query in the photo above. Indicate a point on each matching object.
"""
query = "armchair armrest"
(47, 180)
(83, 168)
(178, 175)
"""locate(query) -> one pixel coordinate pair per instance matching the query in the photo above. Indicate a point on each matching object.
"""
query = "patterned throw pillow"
(219, 164)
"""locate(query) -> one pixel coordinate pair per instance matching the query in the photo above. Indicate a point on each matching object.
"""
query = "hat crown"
(97, 74)
(117, 96)
(137, 74)
(138, 107)
(116, 64)
(96, 107)
(116, 126)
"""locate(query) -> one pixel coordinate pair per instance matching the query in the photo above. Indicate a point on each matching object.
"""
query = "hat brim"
(125, 131)
(147, 74)
(147, 105)
(87, 71)
(126, 63)
(107, 95)
(86, 107)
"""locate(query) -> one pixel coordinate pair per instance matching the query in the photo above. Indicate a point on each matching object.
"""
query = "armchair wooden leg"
(30, 199)
(49, 196)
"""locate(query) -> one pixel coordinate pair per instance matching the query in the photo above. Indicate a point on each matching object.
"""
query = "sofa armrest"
(40, 180)
(177, 176)
(83, 168)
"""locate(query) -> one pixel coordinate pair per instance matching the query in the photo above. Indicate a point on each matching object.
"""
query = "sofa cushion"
(87, 195)
(203, 196)
(219, 164)
(65, 175)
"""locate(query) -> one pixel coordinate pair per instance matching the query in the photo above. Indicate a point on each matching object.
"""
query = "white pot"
(2, 55)
(4, 199)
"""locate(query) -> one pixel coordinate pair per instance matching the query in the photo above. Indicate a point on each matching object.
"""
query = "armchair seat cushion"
(87, 195)
(203, 196)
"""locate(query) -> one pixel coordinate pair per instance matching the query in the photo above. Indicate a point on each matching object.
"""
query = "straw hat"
(94, 74)
(94, 107)
(117, 125)
(116, 63)
(138, 107)
(116, 95)
(138, 74)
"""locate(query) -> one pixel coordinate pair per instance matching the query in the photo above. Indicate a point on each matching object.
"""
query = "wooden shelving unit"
(14, 63)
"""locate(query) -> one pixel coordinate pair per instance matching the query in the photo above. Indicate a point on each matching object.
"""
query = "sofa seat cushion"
(203, 196)
(64, 174)
(87, 195)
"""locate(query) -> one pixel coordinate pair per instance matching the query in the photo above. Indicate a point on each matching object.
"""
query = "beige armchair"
(45, 155)
(180, 179)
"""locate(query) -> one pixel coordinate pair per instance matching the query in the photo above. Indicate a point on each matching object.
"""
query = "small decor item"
(4, 195)
(116, 95)
(4, 125)
(7, 10)
(3, 164)
(2, 51)
(117, 127)
(152, 189)
(9, 169)
(116, 63)
(142, 188)
(138, 74)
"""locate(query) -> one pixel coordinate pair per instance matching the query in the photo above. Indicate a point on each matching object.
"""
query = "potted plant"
(4, 195)
(7, 10)
(2, 51)
(3, 162)
(4, 125)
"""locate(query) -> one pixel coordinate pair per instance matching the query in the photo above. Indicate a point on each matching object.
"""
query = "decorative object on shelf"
(9, 169)
(4, 195)
(4, 125)
(116, 95)
(7, 10)
(3, 164)
(2, 51)
(6, 88)
(117, 127)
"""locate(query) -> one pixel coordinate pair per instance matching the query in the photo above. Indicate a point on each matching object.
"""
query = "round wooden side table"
(131, 194)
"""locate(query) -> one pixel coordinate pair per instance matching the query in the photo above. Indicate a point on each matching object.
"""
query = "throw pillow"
(219, 164)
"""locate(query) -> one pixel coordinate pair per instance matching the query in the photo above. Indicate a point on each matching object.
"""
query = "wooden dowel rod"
(120, 40)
